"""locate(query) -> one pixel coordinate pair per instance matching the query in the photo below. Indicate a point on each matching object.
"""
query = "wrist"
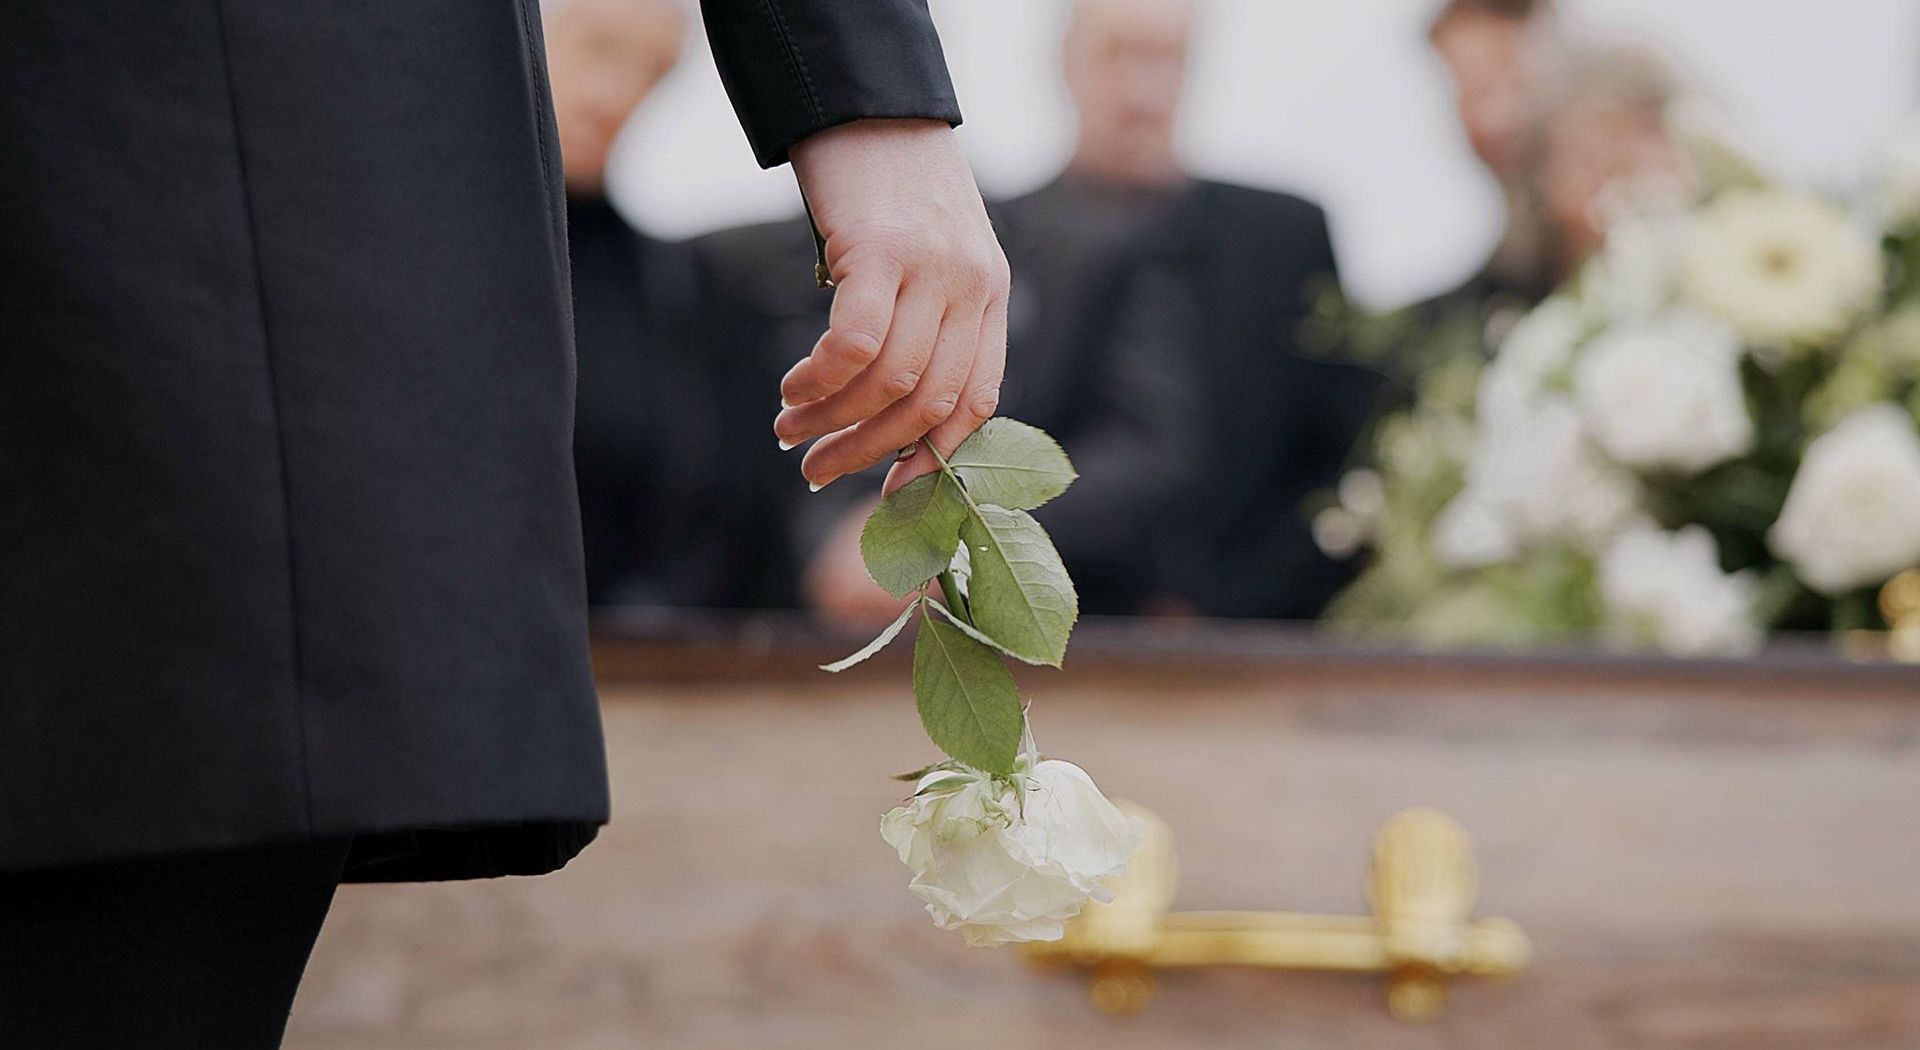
(867, 146)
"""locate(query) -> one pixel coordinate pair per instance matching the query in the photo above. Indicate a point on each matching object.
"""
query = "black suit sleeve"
(794, 67)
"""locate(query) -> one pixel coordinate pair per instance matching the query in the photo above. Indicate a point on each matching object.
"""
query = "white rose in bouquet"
(1534, 478)
(1537, 348)
(1665, 394)
(1786, 269)
(1471, 533)
(1667, 588)
(1006, 859)
(1635, 272)
(1852, 516)
(1900, 182)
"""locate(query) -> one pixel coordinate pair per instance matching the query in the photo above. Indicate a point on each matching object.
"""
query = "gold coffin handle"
(1422, 889)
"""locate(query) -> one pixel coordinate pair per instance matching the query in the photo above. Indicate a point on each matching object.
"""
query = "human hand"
(917, 339)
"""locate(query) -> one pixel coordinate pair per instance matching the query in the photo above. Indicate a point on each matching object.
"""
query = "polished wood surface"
(1707, 856)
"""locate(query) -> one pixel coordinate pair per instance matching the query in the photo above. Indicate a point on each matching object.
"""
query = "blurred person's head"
(1603, 127)
(1490, 50)
(604, 57)
(1126, 65)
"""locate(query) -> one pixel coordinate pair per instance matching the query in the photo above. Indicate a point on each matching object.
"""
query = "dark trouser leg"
(193, 950)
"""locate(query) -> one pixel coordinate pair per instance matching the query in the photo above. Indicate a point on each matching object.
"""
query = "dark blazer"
(1101, 352)
(286, 407)
(650, 433)
(1157, 333)
(1087, 359)
(1281, 423)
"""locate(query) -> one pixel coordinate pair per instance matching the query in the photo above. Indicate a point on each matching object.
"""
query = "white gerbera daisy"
(1785, 269)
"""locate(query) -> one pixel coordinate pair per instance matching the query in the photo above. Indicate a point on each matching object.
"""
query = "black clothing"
(655, 490)
(185, 952)
(793, 67)
(1095, 376)
(760, 312)
(286, 411)
(1280, 423)
(1153, 332)
(1214, 429)
(1101, 326)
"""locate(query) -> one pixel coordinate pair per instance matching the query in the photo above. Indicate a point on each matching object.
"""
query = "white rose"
(1667, 588)
(1000, 868)
(1900, 182)
(1469, 534)
(1636, 268)
(1541, 476)
(1539, 346)
(1852, 516)
(1785, 269)
(1665, 394)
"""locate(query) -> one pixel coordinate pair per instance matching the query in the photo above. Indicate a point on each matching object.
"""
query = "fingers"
(979, 398)
(980, 395)
(909, 468)
(902, 422)
(896, 373)
(862, 312)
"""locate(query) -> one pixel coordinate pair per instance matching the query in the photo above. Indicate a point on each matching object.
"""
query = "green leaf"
(946, 785)
(974, 632)
(912, 534)
(879, 643)
(966, 697)
(1019, 593)
(1010, 464)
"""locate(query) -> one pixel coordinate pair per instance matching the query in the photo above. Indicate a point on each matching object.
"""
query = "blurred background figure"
(648, 426)
(1152, 332)
(1496, 53)
(1556, 116)
(1156, 303)
(1602, 134)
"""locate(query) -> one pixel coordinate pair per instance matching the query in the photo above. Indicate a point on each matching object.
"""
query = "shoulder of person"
(1263, 209)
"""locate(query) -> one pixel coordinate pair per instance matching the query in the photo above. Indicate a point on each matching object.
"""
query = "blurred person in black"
(1274, 424)
(1497, 53)
(1604, 143)
(1153, 320)
(647, 425)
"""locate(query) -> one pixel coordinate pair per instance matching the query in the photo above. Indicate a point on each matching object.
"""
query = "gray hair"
(1586, 71)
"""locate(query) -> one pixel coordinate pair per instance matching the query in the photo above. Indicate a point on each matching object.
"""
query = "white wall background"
(1337, 100)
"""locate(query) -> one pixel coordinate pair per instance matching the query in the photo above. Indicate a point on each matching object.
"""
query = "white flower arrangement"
(1708, 433)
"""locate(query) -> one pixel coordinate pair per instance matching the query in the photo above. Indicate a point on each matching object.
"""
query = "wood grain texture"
(1705, 861)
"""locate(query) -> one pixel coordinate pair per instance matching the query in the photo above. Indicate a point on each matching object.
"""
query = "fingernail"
(788, 446)
(815, 486)
(906, 452)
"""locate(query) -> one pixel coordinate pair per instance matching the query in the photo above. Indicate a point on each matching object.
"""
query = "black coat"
(285, 418)
(1092, 357)
(1155, 333)
(652, 431)
(1281, 422)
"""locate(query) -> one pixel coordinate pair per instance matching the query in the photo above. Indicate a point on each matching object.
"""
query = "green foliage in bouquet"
(1003, 591)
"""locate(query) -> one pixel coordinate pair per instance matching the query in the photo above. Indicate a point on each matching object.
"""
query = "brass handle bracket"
(1421, 934)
